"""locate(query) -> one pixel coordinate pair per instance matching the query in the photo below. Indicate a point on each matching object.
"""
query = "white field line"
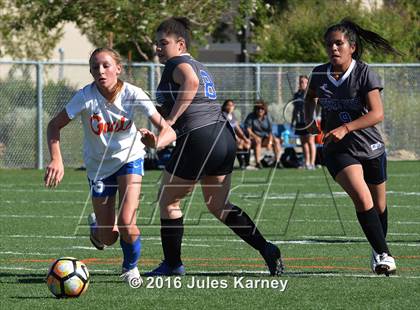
(280, 196)
(27, 253)
(236, 272)
(195, 219)
(245, 196)
(312, 240)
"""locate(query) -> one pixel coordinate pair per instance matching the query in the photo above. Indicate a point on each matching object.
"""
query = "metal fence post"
(39, 86)
(258, 81)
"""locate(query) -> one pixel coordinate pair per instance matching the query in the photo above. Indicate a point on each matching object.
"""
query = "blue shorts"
(374, 170)
(108, 186)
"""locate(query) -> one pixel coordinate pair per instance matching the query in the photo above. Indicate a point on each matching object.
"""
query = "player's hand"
(54, 173)
(336, 134)
(148, 138)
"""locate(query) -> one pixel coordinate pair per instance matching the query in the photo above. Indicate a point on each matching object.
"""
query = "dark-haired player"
(205, 150)
(349, 93)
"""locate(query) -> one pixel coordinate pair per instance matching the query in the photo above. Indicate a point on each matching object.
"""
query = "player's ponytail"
(178, 26)
(358, 36)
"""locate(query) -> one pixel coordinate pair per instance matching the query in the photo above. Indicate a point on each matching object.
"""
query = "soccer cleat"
(92, 223)
(132, 277)
(385, 265)
(165, 270)
(374, 259)
(272, 257)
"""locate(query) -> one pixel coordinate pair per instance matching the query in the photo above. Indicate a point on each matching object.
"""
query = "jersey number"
(345, 117)
(209, 89)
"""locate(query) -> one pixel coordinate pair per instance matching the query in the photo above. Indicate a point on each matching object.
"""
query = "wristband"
(347, 128)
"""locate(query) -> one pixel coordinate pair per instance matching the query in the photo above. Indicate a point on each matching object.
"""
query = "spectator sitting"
(298, 122)
(259, 128)
(243, 144)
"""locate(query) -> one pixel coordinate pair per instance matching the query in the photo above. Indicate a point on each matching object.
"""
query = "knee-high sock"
(383, 217)
(171, 233)
(244, 227)
(131, 253)
(371, 225)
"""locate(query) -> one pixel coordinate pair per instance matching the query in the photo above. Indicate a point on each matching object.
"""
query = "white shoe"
(92, 223)
(374, 259)
(132, 277)
(386, 265)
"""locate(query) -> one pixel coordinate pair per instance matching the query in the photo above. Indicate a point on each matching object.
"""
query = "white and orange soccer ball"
(67, 277)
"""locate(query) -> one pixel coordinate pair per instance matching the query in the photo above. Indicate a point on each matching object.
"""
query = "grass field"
(326, 255)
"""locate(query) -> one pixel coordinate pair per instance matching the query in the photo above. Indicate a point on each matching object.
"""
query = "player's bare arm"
(54, 172)
(185, 76)
(309, 108)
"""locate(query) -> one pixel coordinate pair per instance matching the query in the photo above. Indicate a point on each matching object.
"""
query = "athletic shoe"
(165, 270)
(132, 277)
(92, 223)
(272, 257)
(374, 259)
(386, 265)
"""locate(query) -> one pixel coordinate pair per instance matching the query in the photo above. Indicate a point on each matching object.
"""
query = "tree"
(129, 25)
(294, 35)
(23, 35)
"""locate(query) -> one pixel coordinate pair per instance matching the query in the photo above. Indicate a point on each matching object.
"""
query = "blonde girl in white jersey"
(113, 153)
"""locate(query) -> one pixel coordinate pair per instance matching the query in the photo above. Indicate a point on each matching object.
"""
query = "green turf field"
(326, 255)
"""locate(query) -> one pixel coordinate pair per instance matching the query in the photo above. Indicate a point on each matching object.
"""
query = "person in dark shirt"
(259, 127)
(354, 151)
(298, 122)
(243, 143)
(205, 151)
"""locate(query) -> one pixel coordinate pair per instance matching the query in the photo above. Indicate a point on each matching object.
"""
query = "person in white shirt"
(113, 152)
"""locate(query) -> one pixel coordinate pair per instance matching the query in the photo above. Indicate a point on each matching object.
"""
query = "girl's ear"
(353, 47)
(119, 69)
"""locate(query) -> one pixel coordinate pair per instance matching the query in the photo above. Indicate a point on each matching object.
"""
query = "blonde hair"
(118, 60)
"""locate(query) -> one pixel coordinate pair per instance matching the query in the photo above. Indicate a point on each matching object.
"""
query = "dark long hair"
(358, 36)
(179, 26)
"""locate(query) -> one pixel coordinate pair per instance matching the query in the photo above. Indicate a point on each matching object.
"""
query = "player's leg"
(256, 142)
(351, 179)
(216, 193)
(378, 192)
(241, 151)
(277, 148)
(103, 231)
(129, 187)
(172, 190)
(312, 150)
(102, 222)
(305, 147)
(375, 176)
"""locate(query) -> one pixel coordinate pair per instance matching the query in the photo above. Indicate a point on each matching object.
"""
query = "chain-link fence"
(31, 93)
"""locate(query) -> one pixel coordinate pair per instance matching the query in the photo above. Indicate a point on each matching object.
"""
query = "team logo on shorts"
(98, 187)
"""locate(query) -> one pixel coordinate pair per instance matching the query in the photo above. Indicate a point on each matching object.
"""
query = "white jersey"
(110, 136)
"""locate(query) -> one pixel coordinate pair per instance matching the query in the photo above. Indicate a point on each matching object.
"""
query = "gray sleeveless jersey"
(203, 110)
(343, 101)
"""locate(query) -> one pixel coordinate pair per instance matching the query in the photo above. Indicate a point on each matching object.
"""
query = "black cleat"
(272, 257)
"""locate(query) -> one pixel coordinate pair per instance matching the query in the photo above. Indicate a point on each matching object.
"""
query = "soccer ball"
(67, 277)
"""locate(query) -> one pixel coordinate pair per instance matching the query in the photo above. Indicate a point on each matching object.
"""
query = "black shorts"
(374, 170)
(301, 130)
(206, 151)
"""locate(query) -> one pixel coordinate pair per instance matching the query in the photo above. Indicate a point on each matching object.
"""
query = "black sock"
(383, 217)
(171, 233)
(241, 158)
(247, 156)
(244, 227)
(371, 225)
